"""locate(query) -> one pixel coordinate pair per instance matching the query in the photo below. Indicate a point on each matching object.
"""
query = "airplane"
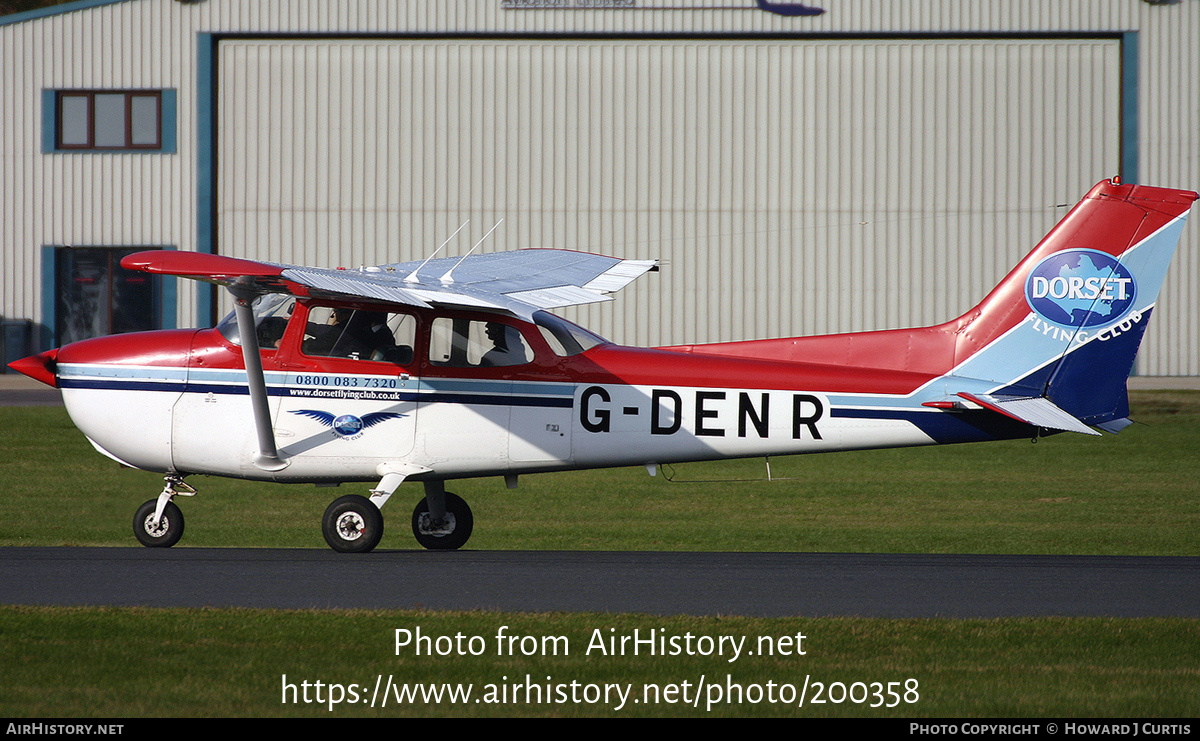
(455, 367)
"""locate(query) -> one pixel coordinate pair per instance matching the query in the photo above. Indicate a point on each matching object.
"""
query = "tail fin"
(1063, 326)
(1066, 323)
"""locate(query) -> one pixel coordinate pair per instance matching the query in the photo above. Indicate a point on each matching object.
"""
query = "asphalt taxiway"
(752, 584)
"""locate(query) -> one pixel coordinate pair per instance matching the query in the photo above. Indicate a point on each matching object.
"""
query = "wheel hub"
(428, 527)
(350, 526)
(157, 531)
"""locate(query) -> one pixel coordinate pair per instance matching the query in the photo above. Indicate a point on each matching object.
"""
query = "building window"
(110, 120)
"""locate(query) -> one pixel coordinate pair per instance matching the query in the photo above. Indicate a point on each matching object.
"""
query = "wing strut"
(268, 456)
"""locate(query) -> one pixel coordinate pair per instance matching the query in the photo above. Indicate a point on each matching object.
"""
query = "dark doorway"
(95, 296)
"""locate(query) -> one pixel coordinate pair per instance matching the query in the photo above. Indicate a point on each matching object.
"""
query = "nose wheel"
(166, 533)
(159, 522)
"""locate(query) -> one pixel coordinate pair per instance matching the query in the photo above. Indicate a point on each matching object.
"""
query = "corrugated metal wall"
(152, 199)
(792, 187)
(92, 198)
(1169, 144)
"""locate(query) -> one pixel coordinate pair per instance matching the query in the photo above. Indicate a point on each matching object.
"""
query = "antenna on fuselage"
(412, 277)
(446, 278)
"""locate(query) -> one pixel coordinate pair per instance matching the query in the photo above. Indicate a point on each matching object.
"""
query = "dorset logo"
(347, 426)
(1080, 288)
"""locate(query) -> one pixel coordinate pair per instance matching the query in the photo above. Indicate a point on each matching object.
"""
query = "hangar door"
(791, 187)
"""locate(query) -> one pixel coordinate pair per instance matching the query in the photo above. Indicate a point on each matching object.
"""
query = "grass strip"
(1130, 494)
(133, 662)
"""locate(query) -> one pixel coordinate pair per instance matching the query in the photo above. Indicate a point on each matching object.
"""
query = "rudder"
(1084, 297)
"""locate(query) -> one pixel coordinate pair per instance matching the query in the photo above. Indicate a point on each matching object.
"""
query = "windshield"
(565, 338)
(271, 314)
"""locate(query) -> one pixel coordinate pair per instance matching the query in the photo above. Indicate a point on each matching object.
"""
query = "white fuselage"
(198, 421)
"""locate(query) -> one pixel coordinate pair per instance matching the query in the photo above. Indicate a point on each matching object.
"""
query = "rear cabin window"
(467, 343)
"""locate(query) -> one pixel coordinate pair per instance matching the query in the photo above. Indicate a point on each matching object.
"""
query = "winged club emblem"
(347, 426)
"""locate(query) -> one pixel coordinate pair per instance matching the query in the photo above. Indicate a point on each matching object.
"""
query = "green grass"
(1132, 494)
(1137, 493)
(140, 662)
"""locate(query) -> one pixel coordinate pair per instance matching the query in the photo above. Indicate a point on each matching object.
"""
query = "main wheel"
(352, 524)
(453, 532)
(168, 531)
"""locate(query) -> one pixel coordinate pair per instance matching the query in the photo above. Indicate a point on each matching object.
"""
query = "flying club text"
(711, 413)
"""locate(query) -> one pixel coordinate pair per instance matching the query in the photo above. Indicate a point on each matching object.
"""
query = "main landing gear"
(352, 524)
(440, 521)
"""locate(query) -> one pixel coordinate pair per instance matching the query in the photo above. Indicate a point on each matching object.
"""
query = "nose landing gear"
(159, 522)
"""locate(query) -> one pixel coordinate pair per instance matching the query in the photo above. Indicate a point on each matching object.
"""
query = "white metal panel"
(791, 187)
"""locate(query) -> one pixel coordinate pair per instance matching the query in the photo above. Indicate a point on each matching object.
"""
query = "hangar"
(873, 165)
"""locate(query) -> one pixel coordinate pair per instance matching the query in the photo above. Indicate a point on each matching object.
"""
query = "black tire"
(458, 534)
(169, 530)
(352, 524)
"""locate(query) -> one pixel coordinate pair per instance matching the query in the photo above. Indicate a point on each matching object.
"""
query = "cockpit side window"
(467, 343)
(359, 334)
(271, 314)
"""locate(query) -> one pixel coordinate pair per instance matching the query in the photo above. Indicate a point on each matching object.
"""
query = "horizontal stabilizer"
(1037, 411)
(1116, 425)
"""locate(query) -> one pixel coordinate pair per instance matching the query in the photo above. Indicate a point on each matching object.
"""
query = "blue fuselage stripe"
(428, 397)
(948, 427)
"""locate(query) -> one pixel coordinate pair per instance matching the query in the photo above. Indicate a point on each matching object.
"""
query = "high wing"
(518, 282)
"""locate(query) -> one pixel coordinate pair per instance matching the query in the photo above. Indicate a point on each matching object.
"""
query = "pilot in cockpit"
(270, 332)
(356, 334)
(508, 348)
